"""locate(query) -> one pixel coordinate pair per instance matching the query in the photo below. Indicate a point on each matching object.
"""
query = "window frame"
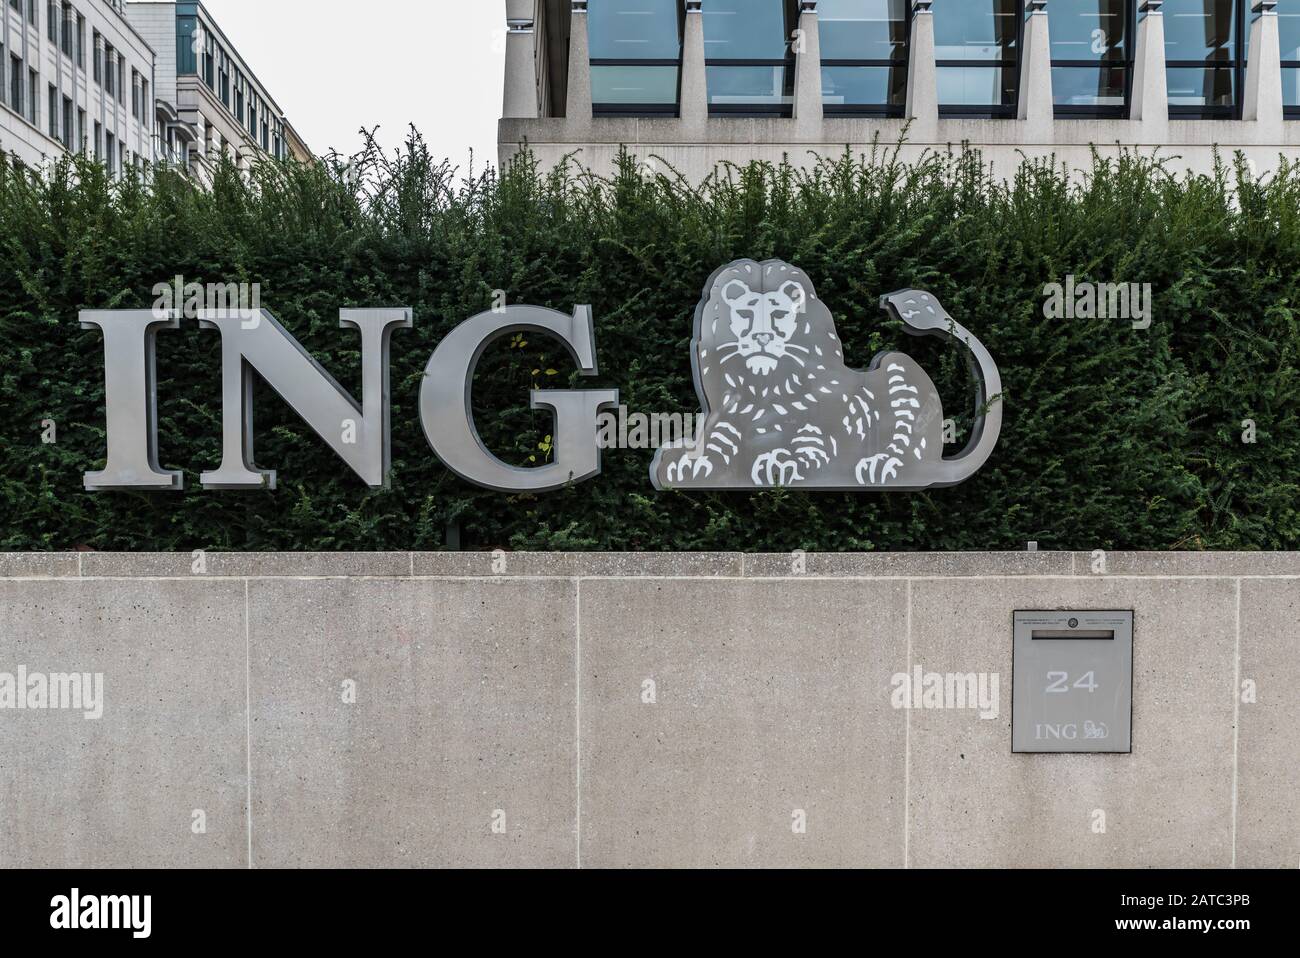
(646, 109)
(781, 110)
(992, 111)
(1129, 63)
(1289, 112)
(1237, 65)
(883, 110)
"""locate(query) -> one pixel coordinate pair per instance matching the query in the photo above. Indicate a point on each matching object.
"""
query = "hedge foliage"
(1114, 437)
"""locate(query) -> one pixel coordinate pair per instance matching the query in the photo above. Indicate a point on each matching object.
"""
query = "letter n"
(261, 344)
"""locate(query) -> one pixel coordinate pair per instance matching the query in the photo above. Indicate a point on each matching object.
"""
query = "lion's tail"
(923, 315)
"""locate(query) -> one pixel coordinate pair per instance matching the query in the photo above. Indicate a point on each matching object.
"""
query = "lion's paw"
(776, 468)
(877, 469)
(688, 467)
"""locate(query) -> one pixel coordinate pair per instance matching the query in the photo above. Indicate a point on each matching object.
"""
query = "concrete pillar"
(694, 107)
(521, 99)
(578, 103)
(1035, 103)
(1150, 102)
(808, 73)
(1262, 98)
(922, 78)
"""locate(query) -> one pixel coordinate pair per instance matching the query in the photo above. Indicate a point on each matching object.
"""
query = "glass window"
(977, 55)
(16, 84)
(636, 50)
(1091, 58)
(209, 56)
(749, 61)
(634, 30)
(1203, 56)
(864, 56)
(187, 41)
(1288, 29)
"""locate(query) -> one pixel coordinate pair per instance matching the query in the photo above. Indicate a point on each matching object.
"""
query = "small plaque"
(1072, 682)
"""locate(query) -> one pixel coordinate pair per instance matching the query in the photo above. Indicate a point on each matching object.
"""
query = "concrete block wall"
(500, 713)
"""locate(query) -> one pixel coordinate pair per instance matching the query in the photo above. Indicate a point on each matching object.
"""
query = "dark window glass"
(1091, 58)
(1202, 87)
(16, 84)
(1200, 30)
(1291, 87)
(850, 89)
(864, 55)
(978, 87)
(863, 29)
(636, 49)
(742, 88)
(187, 58)
(746, 30)
(634, 30)
(750, 64)
(977, 55)
(976, 29)
(633, 85)
(1085, 91)
(1288, 29)
(1204, 57)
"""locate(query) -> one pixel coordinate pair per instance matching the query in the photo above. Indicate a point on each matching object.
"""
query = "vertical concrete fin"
(1262, 98)
(694, 106)
(1150, 102)
(808, 73)
(521, 91)
(1035, 99)
(578, 103)
(922, 77)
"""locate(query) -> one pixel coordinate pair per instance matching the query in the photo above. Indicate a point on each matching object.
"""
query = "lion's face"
(763, 325)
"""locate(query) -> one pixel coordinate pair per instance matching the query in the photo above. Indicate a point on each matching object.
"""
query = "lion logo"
(780, 406)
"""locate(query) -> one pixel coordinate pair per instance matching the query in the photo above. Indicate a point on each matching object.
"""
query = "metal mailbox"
(1072, 682)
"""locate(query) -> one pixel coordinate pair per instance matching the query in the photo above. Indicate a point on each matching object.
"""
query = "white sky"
(337, 65)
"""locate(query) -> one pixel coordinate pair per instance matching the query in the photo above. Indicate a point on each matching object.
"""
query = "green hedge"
(1113, 437)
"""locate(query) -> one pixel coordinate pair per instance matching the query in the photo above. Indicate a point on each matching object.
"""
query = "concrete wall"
(510, 688)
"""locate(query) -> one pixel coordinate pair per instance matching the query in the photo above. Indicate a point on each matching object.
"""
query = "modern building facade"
(210, 101)
(76, 77)
(697, 82)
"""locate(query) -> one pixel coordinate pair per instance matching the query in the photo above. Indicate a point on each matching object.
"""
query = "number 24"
(1059, 682)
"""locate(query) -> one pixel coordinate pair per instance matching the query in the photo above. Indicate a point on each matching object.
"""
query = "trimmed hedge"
(1113, 437)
